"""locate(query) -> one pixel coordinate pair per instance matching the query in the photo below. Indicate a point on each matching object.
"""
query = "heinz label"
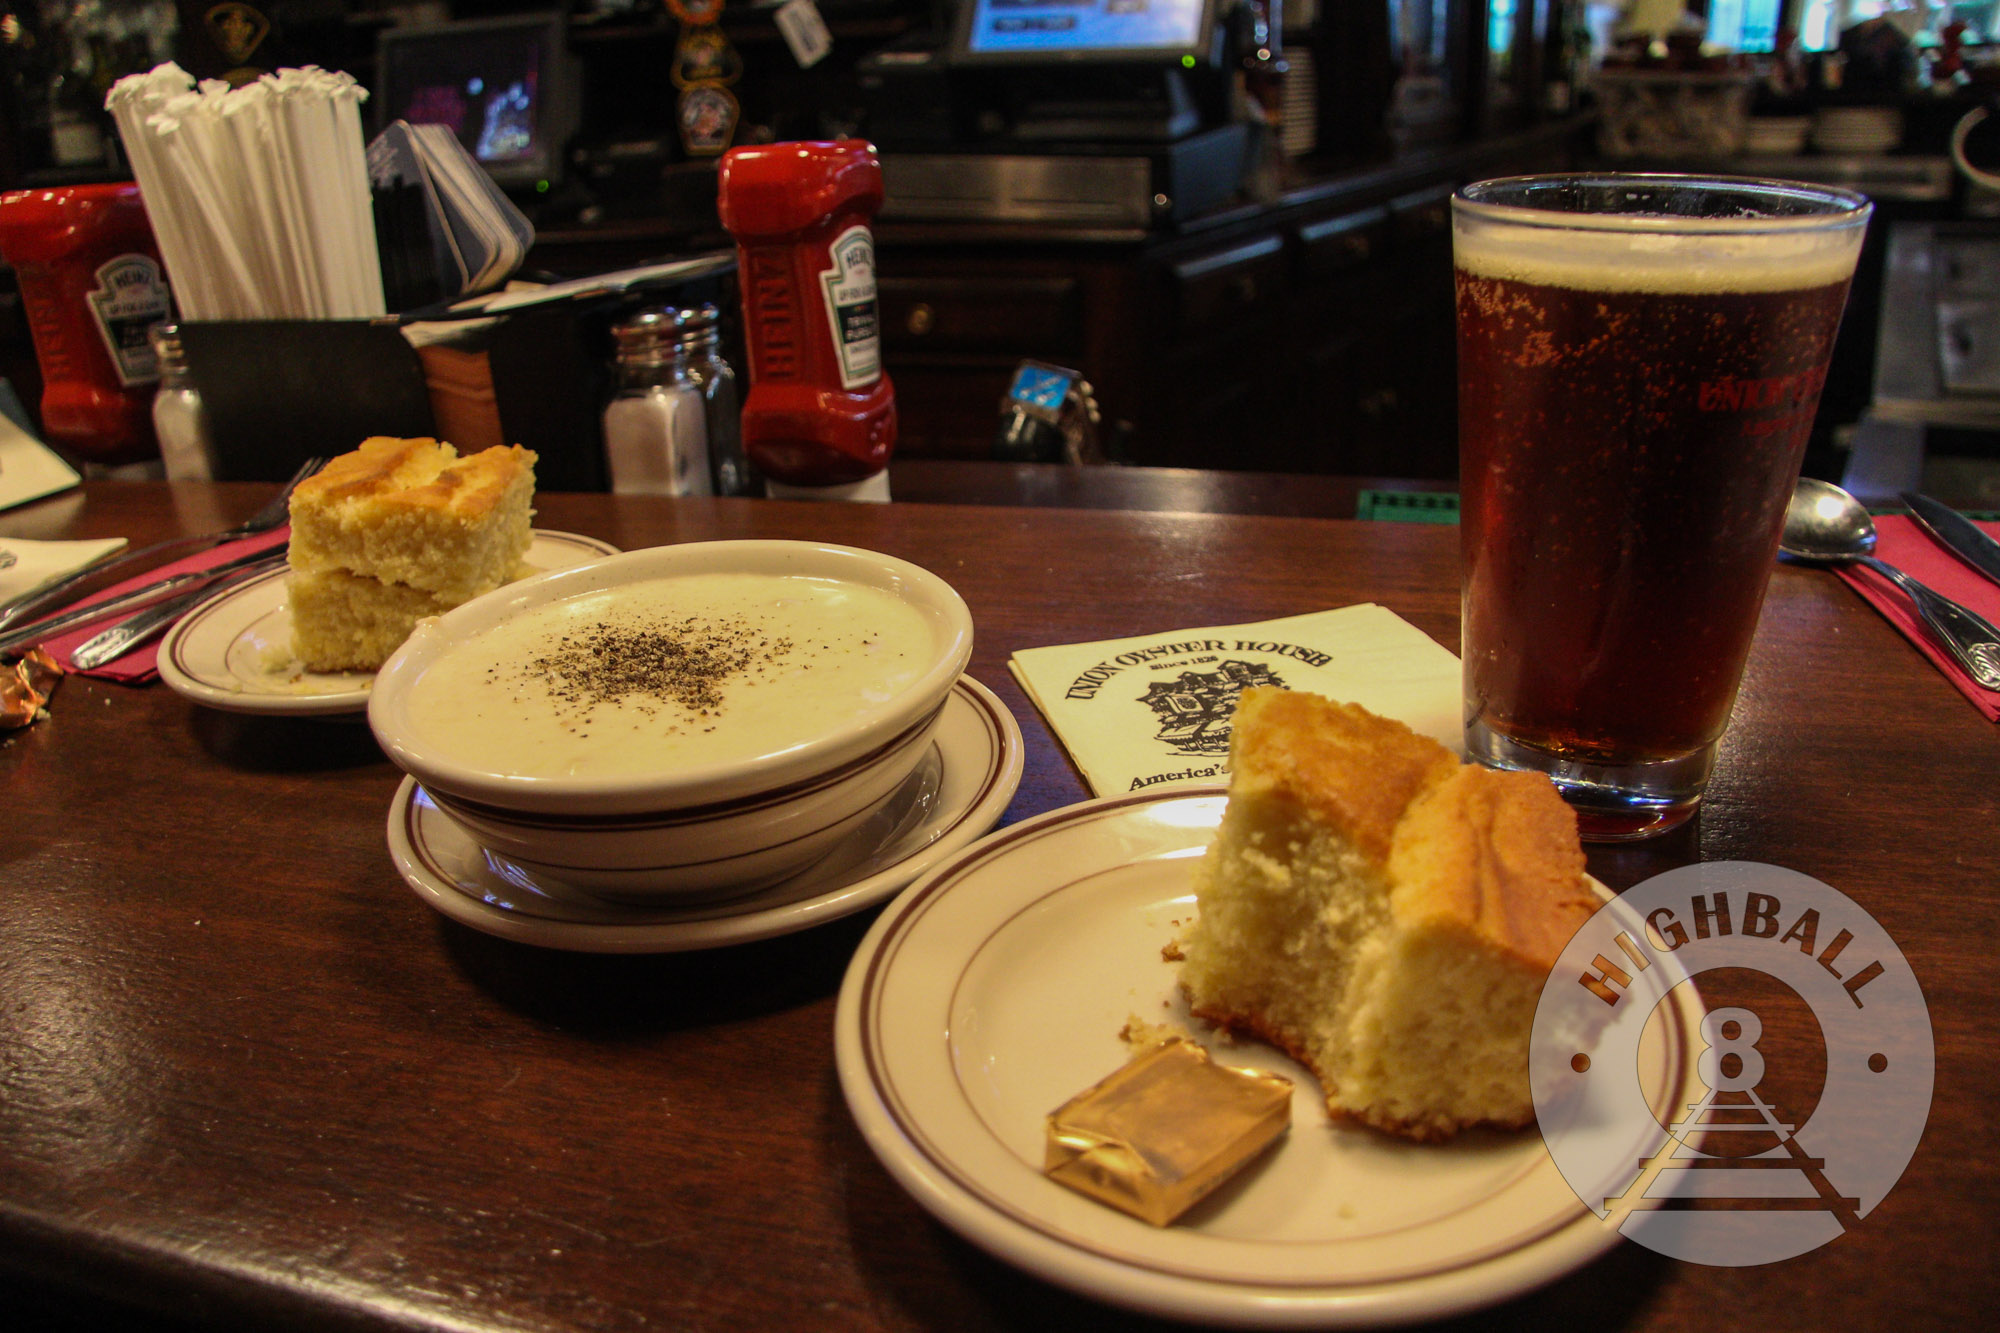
(849, 288)
(129, 298)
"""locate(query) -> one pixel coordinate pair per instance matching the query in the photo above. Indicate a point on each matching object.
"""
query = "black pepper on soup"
(670, 673)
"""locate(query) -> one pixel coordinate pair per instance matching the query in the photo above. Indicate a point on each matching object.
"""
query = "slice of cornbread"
(396, 531)
(414, 512)
(1383, 913)
(350, 622)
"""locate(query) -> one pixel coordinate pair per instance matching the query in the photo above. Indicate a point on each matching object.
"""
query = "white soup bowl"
(682, 833)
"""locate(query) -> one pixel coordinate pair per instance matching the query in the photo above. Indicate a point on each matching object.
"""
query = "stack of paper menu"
(1156, 709)
(462, 236)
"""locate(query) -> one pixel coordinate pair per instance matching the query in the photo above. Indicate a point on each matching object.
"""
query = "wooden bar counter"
(248, 1080)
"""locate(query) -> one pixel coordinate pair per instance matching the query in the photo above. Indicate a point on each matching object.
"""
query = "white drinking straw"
(192, 184)
(132, 99)
(259, 196)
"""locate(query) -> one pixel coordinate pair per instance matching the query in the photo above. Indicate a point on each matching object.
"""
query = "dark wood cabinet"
(1314, 334)
(956, 322)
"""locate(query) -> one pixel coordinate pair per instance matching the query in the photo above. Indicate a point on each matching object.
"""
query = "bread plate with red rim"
(996, 987)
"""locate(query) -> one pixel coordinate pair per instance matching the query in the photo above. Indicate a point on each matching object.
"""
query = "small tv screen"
(501, 86)
(1083, 31)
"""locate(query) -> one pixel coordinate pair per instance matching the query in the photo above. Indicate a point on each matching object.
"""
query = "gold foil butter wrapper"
(1161, 1133)
(25, 688)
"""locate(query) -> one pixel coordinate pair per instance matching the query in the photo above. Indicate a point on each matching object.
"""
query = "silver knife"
(142, 628)
(36, 631)
(1956, 533)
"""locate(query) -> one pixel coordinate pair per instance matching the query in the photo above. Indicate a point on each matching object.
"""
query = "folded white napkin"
(36, 563)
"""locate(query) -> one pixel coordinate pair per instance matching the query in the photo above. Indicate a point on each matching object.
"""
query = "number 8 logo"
(1720, 1043)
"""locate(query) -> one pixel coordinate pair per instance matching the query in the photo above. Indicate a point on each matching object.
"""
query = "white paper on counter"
(29, 469)
(1155, 709)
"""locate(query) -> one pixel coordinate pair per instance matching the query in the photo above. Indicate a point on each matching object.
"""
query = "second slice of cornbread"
(348, 622)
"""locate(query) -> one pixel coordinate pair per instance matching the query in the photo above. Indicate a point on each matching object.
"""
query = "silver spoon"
(1824, 525)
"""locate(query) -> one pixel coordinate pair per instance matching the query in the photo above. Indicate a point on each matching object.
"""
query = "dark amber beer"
(1640, 359)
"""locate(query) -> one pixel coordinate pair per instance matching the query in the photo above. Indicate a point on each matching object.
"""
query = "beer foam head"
(1647, 253)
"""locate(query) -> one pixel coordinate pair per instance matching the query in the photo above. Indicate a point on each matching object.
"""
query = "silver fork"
(270, 516)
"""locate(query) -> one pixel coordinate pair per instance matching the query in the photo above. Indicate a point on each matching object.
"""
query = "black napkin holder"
(279, 391)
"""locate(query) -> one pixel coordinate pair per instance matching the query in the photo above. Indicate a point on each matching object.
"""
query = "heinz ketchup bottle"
(89, 272)
(820, 417)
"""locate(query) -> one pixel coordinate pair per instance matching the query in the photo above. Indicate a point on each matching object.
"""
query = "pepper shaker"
(701, 350)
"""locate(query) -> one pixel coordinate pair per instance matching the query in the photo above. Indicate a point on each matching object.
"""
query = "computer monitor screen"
(1083, 31)
(503, 86)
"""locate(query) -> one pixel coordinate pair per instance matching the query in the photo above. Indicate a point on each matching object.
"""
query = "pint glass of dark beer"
(1640, 358)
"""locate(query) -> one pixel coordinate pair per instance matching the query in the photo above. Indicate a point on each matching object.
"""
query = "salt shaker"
(701, 352)
(655, 429)
(187, 444)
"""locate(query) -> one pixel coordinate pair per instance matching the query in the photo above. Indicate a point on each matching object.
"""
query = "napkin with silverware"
(142, 664)
(39, 563)
(1900, 542)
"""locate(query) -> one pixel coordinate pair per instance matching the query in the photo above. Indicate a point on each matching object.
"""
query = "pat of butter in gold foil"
(25, 688)
(1159, 1134)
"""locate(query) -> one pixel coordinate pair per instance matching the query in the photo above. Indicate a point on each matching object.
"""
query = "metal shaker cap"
(647, 336)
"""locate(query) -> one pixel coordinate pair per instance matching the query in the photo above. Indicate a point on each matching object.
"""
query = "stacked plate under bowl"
(959, 790)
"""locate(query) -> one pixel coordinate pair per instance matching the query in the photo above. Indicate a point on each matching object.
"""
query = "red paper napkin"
(142, 664)
(1909, 548)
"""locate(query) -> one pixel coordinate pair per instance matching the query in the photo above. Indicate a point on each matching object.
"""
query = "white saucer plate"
(233, 652)
(957, 792)
(994, 989)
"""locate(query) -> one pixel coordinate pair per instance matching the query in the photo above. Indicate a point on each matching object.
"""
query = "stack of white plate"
(1857, 129)
(1298, 131)
(1776, 134)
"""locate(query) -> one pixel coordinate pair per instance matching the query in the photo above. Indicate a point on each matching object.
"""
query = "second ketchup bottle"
(820, 416)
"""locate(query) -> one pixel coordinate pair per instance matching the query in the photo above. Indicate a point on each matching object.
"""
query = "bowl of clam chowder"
(678, 723)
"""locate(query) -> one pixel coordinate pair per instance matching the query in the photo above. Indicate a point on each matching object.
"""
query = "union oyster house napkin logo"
(1156, 709)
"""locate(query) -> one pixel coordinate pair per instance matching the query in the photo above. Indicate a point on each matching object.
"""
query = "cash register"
(1082, 112)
